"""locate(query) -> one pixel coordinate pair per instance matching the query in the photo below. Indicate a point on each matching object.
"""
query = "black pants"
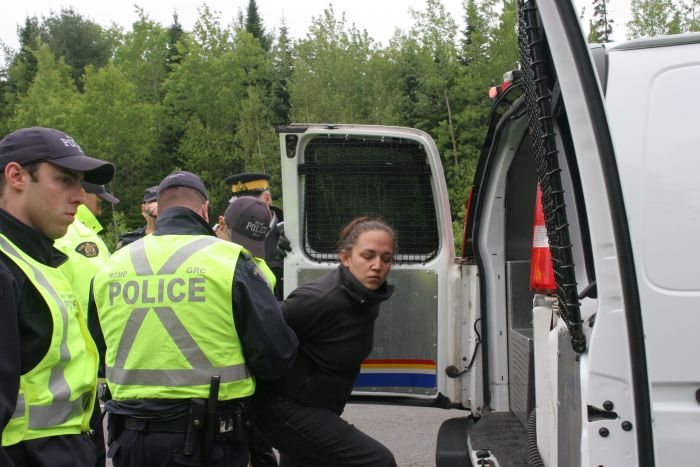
(261, 454)
(312, 437)
(54, 451)
(151, 449)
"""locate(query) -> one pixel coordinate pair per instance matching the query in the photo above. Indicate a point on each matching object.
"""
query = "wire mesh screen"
(538, 80)
(347, 177)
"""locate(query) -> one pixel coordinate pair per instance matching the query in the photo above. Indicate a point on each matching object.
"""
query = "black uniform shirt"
(25, 320)
(269, 345)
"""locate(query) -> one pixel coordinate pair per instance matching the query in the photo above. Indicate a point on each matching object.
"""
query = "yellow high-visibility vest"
(56, 397)
(86, 252)
(166, 310)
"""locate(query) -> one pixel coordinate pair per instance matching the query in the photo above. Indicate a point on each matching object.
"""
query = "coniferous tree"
(175, 33)
(601, 24)
(254, 25)
(283, 68)
(20, 71)
(23, 66)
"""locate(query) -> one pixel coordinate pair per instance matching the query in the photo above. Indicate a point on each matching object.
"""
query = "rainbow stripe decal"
(397, 373)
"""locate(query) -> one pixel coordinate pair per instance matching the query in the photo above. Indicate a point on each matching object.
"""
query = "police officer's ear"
(204, 211)
(13, 175)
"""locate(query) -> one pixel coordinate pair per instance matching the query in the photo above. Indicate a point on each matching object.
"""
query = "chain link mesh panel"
(538, 80)
(347, 177)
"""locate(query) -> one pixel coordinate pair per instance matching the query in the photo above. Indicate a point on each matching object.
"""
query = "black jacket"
(130, 237)
(26, 322)
(269, 345)
(333, 317)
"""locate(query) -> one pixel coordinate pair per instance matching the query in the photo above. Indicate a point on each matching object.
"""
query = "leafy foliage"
(154, 99)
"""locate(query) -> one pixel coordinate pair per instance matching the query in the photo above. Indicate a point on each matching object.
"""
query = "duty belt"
(160, 425)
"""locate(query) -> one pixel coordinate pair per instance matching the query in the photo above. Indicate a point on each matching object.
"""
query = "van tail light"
(466, 220)
(541, 271)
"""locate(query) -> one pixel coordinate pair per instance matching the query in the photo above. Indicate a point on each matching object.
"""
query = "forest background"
(157, 98)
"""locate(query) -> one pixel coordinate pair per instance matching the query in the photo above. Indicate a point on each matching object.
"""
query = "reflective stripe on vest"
(62, 409)
(201, 369)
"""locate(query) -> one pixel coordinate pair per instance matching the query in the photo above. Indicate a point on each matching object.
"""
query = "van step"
(502, 435)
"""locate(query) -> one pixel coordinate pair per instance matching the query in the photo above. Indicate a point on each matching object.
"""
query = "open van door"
(332, 174)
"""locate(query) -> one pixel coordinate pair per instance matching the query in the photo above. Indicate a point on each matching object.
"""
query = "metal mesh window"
(347, 177)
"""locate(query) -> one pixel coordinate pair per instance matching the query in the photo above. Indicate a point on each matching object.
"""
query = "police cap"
(150, 194)
(183, 178)
(249, 183)
(29, 145)
(100, 191)
(248, 221)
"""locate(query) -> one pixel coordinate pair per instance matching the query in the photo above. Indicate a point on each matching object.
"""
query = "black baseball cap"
(182, 178)
(29, 145)
(248, 221)
(100, 191)
(150, 194)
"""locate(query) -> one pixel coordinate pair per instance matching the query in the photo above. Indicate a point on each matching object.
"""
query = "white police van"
(573, 346)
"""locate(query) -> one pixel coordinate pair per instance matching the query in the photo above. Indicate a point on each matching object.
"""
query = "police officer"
(87, 253)
(276, 244)
(149, 211)
(82, 243)
(188, 321)
(246, 222)
(48, 363)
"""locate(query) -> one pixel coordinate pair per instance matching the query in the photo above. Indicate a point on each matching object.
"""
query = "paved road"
(408, 431)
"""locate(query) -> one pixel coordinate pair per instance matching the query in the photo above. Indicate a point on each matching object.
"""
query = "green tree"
(112, 122)
(254, 25)
(19, 71)
(51, 97)
(652, 18)
(600, 25)
(336, 77)
(143, 57)
(205, 95)
(436, 33)
(489, 51)
(257, 139)
(23, 66)
(208, 152)
(405, 54)
(175, 34)
(79, 41)
(283, 69)
(691, 15)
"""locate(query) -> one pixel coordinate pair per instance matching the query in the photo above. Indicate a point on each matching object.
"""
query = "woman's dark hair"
(356, 227)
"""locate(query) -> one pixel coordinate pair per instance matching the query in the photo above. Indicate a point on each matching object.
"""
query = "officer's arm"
(10, 364)
(269, 345)
(93, 321)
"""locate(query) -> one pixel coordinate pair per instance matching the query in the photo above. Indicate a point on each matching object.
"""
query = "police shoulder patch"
(88, 249)
(258, 274)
